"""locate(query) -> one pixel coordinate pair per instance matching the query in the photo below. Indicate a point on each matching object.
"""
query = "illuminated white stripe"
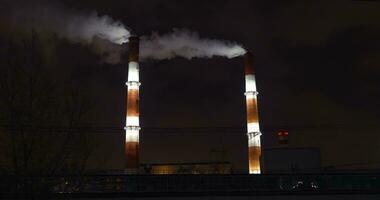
(133, 72)
(253, 130)
(250, 83)
(253, 127)
(254, 140)
(251, 95)
(132, 134)
(132, 121)
(133, 85)
(254, 171)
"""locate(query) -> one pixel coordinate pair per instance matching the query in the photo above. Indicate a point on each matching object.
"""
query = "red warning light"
(283, 137)
(283, 133)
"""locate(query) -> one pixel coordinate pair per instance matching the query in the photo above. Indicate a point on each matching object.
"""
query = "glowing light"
(250, 83)
(283, 133)
(133, 85)
(133, 72)
(254, 171)
(132, 121)
(251, 95)
(254, 140)
(253, 127)
(132, 134)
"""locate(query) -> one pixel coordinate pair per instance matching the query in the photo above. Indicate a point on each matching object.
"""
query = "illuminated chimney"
(132, 127)
(253, 128)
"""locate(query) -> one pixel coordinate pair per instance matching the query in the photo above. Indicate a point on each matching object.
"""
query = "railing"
(193, 184)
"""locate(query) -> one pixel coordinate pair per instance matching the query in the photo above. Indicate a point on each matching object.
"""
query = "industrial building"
(187, 168)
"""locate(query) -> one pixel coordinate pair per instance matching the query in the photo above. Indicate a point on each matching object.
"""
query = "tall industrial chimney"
(253, 128)
(132, 127)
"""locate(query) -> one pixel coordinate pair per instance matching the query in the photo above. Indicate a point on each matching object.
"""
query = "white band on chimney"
(253, 127)
(132, 134)
(250, 83)
(251, 95)
(254, 171)
(133, 72)
(133, 85)
(254, 139)
(132, 121)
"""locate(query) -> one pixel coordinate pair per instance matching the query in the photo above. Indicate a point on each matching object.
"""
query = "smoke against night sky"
(104, 34)
(77, 26)
(187, 44)
(319, 69)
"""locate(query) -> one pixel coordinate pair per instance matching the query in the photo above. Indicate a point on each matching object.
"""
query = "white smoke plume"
(87, 28)
(71, 24)
(105, 35)
(187, 44)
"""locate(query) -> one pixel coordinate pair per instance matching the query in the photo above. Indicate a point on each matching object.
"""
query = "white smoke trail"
(70, 24)
(187, 44)
(89, 26)
(103, 34)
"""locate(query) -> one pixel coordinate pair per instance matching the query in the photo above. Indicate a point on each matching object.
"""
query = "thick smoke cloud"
(102, 33)
(105, 35)
(72, 25)
(187, 44)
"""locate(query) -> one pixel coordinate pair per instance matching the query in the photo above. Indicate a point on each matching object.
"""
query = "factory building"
(187, 168)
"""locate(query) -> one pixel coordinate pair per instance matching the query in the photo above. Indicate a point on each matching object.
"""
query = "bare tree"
(43, 116)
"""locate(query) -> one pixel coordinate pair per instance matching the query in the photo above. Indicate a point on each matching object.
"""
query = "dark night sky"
(317, 63)
(305, 52)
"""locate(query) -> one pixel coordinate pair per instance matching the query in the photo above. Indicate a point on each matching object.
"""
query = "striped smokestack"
(253, 128)
(132, 127)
